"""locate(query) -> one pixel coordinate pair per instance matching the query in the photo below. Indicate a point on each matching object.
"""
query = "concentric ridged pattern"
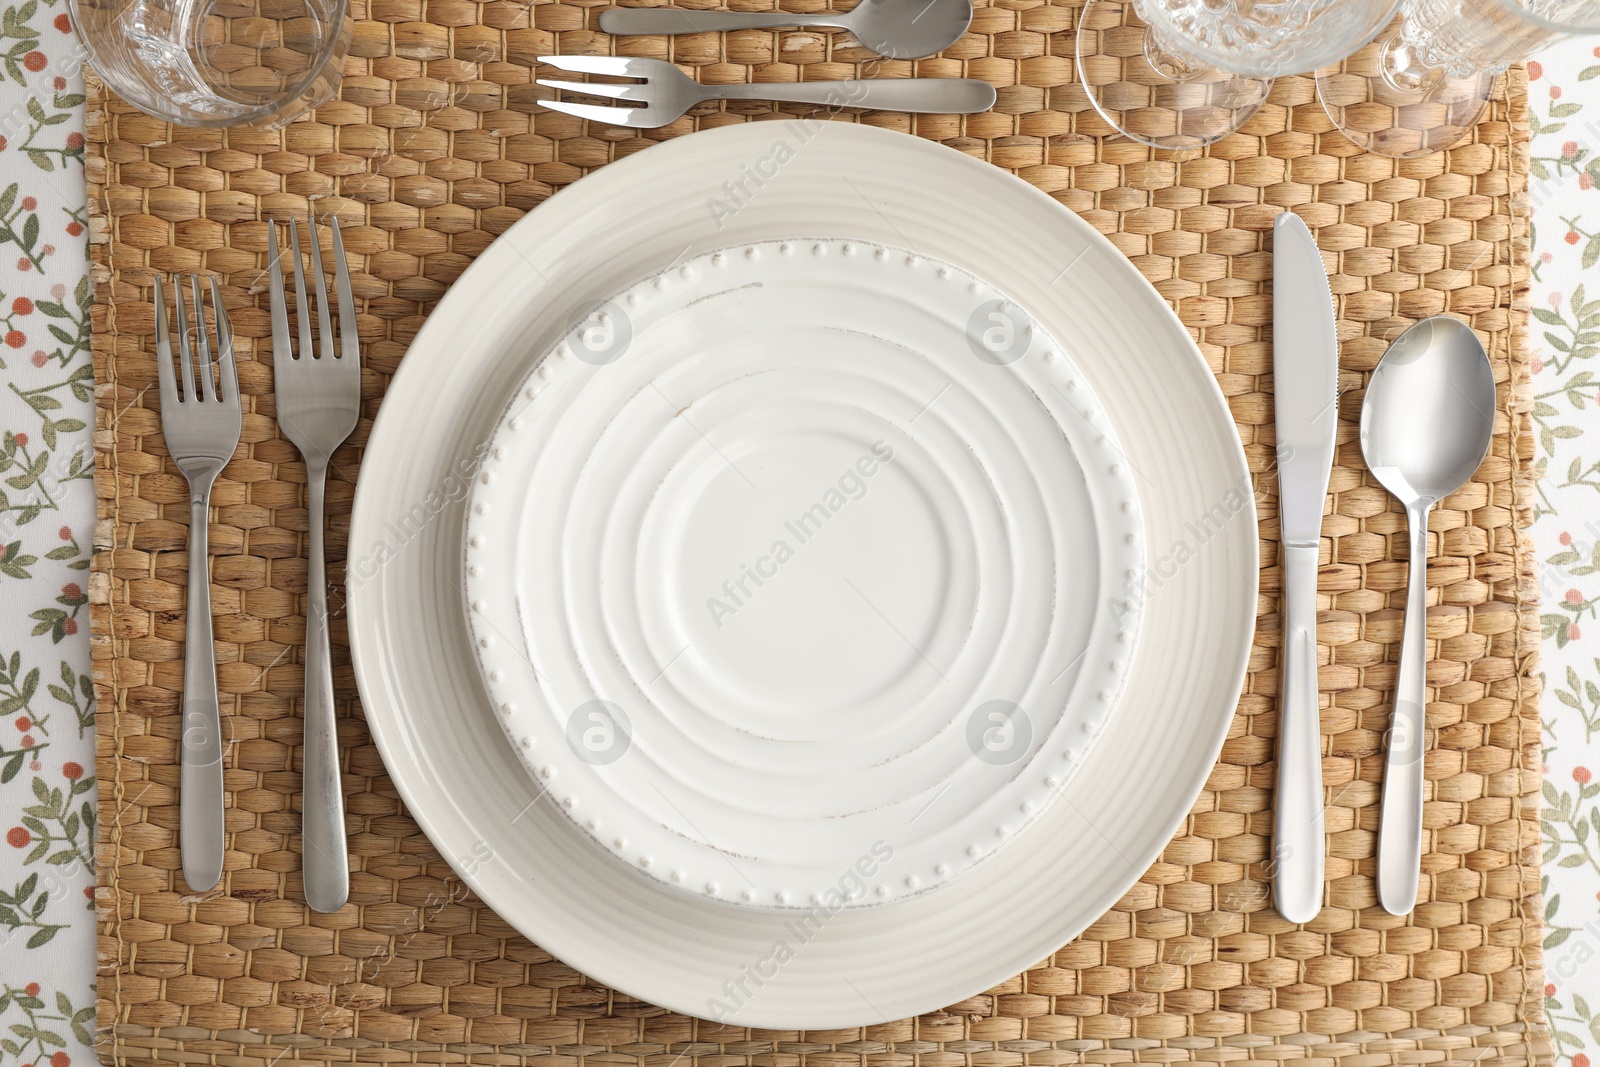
(798, 572)
(431, 153)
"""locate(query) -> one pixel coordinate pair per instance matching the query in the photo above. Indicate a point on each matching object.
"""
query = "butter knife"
(1305, 372)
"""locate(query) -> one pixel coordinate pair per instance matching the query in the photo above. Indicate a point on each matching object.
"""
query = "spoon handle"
(1400, 824)
(624, 21)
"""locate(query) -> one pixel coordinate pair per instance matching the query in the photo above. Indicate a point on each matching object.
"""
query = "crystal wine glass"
(1185, 73)
(1420, 87)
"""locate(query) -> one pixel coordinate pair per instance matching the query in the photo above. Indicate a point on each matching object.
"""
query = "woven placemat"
(434, 148)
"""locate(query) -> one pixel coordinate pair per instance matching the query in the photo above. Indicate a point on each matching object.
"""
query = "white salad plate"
(534, 862)
(791, 560)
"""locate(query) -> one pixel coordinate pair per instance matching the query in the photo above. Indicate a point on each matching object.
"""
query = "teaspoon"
(899, 29)
(1426, 424)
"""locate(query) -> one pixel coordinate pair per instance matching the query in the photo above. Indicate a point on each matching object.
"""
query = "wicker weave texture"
(434, 148)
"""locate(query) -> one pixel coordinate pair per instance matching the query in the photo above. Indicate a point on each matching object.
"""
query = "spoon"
(1425, 426)
(899, 29)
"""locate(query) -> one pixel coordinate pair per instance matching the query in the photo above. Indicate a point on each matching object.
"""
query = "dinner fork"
(319, 400)
(666, 92)
(201, 426)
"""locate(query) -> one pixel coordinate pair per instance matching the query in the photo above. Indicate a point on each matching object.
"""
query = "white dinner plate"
(788, 569)
(433, 721)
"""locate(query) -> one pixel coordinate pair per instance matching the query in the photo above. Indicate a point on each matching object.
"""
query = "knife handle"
(1297, 838)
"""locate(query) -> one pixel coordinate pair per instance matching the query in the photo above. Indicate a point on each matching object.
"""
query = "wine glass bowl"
(1268, 39)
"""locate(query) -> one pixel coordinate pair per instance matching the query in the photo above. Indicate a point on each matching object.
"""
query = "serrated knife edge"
(1305, 372)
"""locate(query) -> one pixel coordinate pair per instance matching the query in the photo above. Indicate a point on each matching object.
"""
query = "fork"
(319, 400)
(201, 426)
(666, 92)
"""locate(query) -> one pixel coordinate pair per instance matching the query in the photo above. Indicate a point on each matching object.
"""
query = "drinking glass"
(1421, 86)
(1185, 73)
(217, 62)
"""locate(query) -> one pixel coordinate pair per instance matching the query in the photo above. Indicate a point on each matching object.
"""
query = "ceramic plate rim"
(710, 156)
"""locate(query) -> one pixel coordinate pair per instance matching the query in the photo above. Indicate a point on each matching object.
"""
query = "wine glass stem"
(1403, 69)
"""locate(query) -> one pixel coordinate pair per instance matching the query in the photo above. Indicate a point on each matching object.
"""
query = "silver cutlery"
(200, 420)
(666, 92)
(319, 401)
(1426, 424)
(898, 29)
(1305, 373)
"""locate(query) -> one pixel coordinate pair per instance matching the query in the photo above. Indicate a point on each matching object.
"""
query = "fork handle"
(623, 21)
(200, 757)
(936, 96)
(324, 857)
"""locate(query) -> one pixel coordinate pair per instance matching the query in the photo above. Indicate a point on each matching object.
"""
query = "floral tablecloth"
(47, 788)
(1564, 95)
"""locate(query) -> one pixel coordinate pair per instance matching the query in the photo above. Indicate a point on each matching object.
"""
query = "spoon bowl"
(909, 29)
(1426, 424)
(1429, 411)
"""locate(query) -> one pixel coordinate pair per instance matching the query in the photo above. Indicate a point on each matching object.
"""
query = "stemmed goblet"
(1421, 86)
(1184, 73)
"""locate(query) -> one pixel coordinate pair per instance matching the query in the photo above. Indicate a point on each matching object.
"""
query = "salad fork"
(319, 400)
(201, 426)
(666, 92)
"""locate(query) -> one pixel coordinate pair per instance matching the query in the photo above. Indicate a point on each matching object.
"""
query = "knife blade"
(1305, 372)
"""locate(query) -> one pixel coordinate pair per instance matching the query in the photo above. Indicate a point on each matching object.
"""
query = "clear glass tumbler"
(1185, 73)
(217, 62)
(1421, 86)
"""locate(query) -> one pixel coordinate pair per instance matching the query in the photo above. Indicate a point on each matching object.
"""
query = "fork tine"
(614, 92)
(164, 372)
(208, 389)
(616, 65)
(185, 360)
(227, 373)
(349, 336)
(616, 116)
(302, 309)
(280, 310)
(324, 320)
